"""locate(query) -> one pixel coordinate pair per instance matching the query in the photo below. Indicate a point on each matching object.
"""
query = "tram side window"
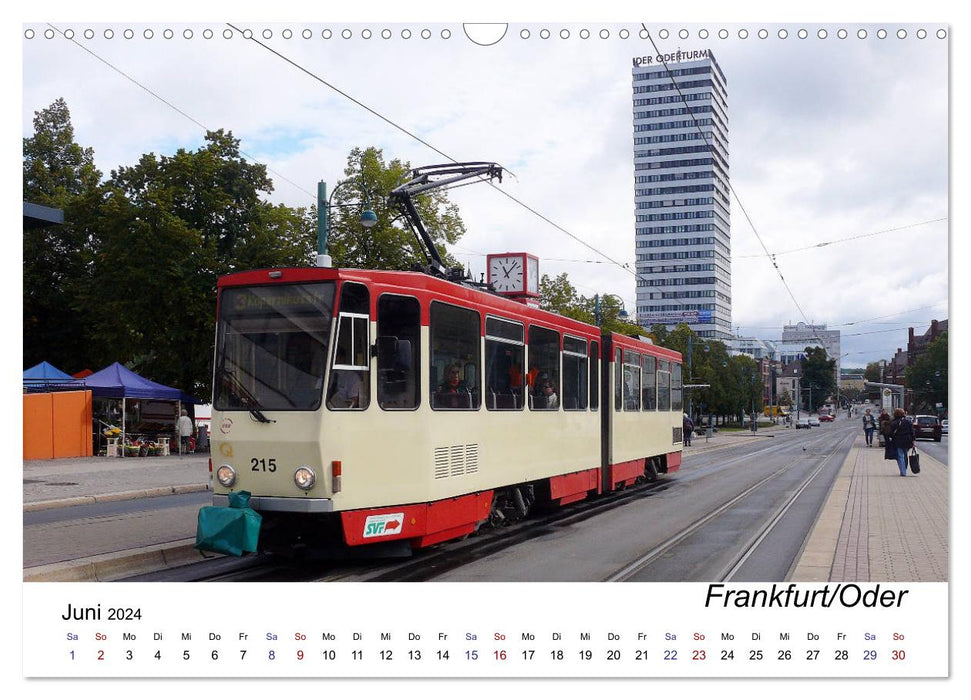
(677, 393)
(664, 385)
(349, 386)
(632, 381)
(504, 349)
(574, 374)
(618, 381)
(544, 369)
(594, 376)
(649, 383)
(454, 363)
(398, 343)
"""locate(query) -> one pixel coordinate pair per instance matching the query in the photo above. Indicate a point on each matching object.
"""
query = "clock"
(514, 274)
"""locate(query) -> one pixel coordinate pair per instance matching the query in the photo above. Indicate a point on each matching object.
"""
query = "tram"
(405, 409)
(336, 406)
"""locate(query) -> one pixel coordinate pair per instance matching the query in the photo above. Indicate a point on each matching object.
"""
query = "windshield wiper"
(258, 415)
(246, 398)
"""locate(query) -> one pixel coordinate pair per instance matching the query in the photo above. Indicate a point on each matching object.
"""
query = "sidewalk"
(876, 526)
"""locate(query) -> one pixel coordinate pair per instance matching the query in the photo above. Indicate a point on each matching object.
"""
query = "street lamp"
(690, 385)
(598, 316)
(368, 218)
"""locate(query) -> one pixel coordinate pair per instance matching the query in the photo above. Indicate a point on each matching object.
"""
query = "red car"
(927, 427)
(826, 418)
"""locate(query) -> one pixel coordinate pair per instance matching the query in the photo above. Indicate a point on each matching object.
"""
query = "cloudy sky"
(838, 146)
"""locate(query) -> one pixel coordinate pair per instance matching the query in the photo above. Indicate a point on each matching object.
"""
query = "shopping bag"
(229, 530)
(914, 460)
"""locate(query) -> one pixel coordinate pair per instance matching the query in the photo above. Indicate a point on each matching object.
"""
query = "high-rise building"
(802, 335)
(681, 195)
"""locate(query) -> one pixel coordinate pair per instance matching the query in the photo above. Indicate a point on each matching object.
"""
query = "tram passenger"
(544, 396)
(346, 385)
(515, 377)
(453, 392)
(531, 376)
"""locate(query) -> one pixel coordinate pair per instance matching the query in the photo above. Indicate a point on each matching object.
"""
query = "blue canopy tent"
(47, 377)
(118, 382)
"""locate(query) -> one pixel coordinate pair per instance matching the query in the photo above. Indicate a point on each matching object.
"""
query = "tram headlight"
(226, 475)
(304, 478)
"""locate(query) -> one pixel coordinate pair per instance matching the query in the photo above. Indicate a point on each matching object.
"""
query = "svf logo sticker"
(226, 426)
(383, 525)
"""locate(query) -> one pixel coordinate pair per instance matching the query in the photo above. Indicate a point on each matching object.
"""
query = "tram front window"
(272, 346)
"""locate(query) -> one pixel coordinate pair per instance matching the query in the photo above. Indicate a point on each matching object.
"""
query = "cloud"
(828, 139)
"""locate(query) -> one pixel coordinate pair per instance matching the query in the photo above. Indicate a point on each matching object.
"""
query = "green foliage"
(560, 296)
(818, 377)
(162, 233)
(58, 173)
(556, 294)
(927, 377)
(131, 275)
(390, 244)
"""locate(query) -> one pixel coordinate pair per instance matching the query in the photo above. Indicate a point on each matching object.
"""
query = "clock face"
(532, 278)
(506, 273)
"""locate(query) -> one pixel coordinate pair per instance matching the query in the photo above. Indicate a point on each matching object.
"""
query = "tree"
(818, 376)
(159, 234)
(58, 173)
(927, 377)
(390, 244)
(560, 296)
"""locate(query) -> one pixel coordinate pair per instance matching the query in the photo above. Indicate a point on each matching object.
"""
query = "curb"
(116, 565)
(121, 496)
(815, 562)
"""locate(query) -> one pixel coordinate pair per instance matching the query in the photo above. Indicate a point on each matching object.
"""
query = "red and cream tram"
(360, 407)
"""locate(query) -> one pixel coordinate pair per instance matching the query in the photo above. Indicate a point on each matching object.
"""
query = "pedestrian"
(902, 438)
(883, 426)
(687, 428)
(869, 425)
(185, 431)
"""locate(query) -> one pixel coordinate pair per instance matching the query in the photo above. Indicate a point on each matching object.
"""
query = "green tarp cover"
(233, 530)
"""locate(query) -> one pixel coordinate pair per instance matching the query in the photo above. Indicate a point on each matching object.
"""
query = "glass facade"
(668, 180)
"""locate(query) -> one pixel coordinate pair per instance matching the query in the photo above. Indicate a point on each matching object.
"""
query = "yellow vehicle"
(776, 412)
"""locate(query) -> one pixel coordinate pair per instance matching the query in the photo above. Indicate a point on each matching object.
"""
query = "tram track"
(427, 565)
(726, 572)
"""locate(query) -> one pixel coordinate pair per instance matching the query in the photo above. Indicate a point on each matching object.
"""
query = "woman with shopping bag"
(901, 438)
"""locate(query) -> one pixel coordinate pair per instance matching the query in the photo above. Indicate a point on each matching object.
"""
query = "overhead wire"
(823, 244)
(169, 104)
(251, 37)
(246, 34)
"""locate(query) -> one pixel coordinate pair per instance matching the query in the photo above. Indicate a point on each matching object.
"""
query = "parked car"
(944, 426)
(802, 423)
(826, 418)
(927, 427)
(813, 421)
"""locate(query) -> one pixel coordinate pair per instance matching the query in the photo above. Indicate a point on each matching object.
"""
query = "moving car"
(944, 426)
(802, 423)
(813, 421)
(927, 427)
(826, 418)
